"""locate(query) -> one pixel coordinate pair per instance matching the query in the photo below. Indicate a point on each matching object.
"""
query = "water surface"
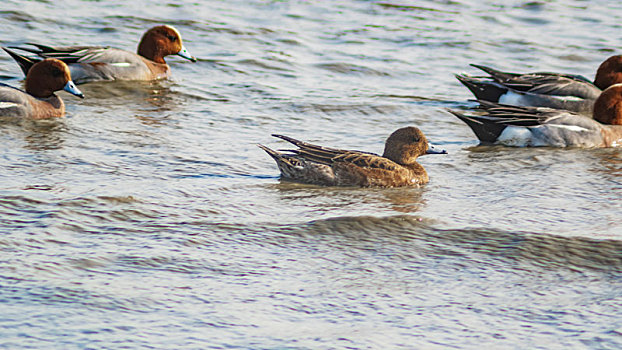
(148, 218)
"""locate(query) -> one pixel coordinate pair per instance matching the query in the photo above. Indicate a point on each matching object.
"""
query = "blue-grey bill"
(185, 54)
(71, 88)
(434, 150)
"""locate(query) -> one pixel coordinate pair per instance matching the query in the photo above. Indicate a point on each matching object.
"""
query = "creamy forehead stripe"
(175, 30)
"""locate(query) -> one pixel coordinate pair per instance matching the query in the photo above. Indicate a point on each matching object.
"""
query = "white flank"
(514, 99)
(8, 104)
(120, 64)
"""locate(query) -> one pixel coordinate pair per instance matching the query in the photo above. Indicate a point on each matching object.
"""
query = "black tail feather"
(290, 140)
(274, 154)
(496, 74)
(42, 48)
(483, 89)
(25, 63)
(486, 132)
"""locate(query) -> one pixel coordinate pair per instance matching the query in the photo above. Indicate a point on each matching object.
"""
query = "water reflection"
(405, 200)
(609, 163)
(326, 199)
(39, 135)
(149, 101)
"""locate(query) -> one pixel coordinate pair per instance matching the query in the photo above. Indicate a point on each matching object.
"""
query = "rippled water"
(149, 218)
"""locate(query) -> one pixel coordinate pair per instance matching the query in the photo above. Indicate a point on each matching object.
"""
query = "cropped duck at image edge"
(570, 92)
(39, 101)
(540, 126)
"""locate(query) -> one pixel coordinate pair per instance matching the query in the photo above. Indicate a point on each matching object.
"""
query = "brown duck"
(319, 165)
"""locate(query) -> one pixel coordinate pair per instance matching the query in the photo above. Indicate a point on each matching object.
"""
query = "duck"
(97, 63)
(39, 101)
(313, 164)
(542, 126)
(541, 89)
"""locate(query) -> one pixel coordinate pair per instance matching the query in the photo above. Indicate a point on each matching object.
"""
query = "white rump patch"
(120, 64)
(511, 98)
(8, 104)
(518, 136)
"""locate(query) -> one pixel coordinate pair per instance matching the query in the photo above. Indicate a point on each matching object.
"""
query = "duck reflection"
(39, 135)
(345, 199)
(607, 164)
(150, 101)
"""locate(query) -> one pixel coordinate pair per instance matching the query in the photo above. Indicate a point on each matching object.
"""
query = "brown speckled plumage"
(315, 164)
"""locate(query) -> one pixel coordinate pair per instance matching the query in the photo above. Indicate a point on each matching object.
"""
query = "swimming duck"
(542, 126)
(39, 100)
(562, 91)
(93, 63)
(335, 167)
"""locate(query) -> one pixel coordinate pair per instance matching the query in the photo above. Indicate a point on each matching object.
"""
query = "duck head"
(406, 144)
(48, 76)
(161, 41)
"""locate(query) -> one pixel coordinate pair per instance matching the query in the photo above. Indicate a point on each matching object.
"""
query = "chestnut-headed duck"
(39, 101)
(542, 126)
(93, 63)
(319, 165)
(561, 91)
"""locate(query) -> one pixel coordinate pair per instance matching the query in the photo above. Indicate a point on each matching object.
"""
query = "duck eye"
(172, 38)
(56, 72)
(415, 139)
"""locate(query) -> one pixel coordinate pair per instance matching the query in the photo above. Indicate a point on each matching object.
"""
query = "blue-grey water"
(148, 218)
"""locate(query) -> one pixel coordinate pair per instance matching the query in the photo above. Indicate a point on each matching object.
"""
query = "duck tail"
(291, 140)
(496, 74)
(483, 89)
(272, 153)
(485, 130)
(25, 63)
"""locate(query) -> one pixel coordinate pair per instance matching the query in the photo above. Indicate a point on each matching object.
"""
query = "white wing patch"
(566, 98)
(8, 104)
(569, 127)
(120, 64)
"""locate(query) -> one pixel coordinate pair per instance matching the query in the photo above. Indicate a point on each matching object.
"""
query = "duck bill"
(71, 88)
(434, 150)
(185, 54)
